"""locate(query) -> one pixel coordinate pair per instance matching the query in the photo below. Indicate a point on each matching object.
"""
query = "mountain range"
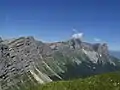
(26, 60)
(115, 53)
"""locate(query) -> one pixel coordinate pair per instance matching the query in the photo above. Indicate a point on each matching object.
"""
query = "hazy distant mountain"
(115, 53)
(26, 60)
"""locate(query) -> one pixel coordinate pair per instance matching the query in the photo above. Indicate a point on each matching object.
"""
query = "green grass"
(110, 81)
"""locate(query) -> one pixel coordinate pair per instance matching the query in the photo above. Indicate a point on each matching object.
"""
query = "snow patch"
(77, 61)
(43, 76)
(37, 77)
(51, 70)
(94, 68)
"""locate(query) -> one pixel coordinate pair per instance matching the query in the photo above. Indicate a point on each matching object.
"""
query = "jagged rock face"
(1, 40)
(76, 43)
(103, 49)
(27, 60)
(22, 56)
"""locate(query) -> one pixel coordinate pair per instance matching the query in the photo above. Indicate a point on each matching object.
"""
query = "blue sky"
(54, 20)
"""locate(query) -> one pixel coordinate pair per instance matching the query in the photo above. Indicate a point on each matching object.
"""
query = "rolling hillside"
(109, 81)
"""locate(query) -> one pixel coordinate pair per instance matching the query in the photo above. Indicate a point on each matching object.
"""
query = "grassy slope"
(110, 81)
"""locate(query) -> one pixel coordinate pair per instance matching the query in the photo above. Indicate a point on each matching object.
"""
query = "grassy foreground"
(110, 81)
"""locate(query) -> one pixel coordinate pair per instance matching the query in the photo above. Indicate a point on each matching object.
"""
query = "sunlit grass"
(110, 81)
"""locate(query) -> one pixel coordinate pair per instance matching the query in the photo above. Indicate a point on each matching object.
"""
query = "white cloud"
(97, 39)
(77, 35)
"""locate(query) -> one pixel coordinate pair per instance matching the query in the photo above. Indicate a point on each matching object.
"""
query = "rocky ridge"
(28, 60)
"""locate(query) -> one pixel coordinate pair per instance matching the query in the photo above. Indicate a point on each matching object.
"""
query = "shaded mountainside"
(26, 60)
